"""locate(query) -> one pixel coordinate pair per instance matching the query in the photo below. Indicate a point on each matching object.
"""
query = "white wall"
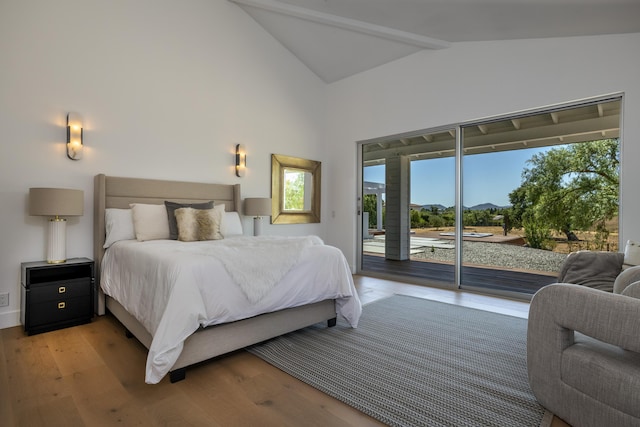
(166, 89)
(475, 80)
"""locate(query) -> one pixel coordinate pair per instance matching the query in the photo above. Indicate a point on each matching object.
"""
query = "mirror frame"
(278, 214)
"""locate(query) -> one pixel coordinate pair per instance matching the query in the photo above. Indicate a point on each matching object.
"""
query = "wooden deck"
(488, 278)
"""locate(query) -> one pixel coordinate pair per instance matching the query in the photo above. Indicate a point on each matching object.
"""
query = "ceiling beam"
(578, 127)
(578, 131)
(346, 23)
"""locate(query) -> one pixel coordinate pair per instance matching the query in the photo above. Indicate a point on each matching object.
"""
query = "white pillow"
(231, 224)
(119, 226)
(198, 224)
(632, 253)
(150, 222)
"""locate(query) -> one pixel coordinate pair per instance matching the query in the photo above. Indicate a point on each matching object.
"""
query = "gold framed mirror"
(295, 190)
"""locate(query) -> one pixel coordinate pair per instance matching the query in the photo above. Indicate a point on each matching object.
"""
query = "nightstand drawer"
(63, 289)
(56, 296)
(60, 310)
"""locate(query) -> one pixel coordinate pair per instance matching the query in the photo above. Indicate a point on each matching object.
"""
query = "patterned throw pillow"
(171, 209)
(198, 224)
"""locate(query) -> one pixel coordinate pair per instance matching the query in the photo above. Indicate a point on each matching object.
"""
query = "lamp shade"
(257, 206)
(56, 202)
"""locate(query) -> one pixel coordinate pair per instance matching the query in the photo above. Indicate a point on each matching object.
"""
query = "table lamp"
(56, 203)
(257, 207)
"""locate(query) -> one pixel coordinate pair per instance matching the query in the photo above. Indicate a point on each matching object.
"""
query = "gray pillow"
(592, 268)
(171, 209)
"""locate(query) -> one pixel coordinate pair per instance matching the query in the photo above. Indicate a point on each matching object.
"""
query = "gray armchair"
(583, 352)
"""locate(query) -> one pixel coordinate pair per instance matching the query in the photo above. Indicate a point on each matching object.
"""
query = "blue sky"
(488, 178)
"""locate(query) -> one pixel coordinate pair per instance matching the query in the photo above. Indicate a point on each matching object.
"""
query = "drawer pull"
(61, 305)
(62, 289)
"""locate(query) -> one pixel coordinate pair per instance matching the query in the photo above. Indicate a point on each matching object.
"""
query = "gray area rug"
(416, 362)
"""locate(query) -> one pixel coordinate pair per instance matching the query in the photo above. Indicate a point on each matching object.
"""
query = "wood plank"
(34, 377)
(6, 407)
(102, 400)
(70, 351)
(61, 412)
(472, 276)
(221, 390)
(178, 410)
(126, 357)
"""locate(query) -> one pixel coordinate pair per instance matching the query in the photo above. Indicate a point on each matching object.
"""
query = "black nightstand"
(56, 296)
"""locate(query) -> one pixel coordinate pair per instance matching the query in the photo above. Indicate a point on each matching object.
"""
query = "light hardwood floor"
(91, 375)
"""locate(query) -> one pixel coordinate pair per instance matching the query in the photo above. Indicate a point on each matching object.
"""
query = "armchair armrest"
(633, 290)
(558, 310)
(624, 279)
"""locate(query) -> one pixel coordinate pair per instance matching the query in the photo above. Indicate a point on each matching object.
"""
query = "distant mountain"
(428, 207)
(480, 207)
(485, 206)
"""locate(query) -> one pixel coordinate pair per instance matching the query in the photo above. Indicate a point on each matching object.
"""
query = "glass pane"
(411, 182)
(536, 188)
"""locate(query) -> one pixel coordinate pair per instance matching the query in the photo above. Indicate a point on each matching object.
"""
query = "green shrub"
(538, 235)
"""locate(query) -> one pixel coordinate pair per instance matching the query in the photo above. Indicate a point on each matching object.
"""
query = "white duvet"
(172, 288)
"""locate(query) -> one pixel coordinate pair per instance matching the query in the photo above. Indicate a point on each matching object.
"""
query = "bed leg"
(332, 322)
(177, 375)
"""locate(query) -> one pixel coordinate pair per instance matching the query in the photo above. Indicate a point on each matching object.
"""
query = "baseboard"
(9, 319)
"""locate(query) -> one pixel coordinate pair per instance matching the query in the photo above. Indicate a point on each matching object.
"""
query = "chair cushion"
(604, 372)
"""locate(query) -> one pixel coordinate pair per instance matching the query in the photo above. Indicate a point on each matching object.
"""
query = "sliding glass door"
(530, 188)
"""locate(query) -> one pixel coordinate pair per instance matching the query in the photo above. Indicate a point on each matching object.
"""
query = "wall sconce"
(74, 136)
(241, 160)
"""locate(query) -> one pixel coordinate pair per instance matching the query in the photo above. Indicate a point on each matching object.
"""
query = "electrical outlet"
(4, 299)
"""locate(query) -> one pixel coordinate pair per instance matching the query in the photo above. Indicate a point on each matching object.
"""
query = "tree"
(436, 221)
(370, 204)
(294, 190)
(417, 221)
(568, 188)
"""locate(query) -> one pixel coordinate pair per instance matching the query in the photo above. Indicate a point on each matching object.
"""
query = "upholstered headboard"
(118, 192)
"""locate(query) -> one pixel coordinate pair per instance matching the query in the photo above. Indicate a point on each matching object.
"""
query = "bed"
(219, 332)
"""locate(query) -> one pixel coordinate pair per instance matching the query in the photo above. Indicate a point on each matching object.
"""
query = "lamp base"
(257, 225)
(56, 244)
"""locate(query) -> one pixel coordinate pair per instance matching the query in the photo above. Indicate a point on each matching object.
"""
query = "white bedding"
(172, 288)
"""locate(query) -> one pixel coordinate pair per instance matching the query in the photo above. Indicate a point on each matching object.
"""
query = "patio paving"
(417, 245)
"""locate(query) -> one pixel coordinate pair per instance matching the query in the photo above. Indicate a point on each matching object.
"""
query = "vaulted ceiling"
(339, 38)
